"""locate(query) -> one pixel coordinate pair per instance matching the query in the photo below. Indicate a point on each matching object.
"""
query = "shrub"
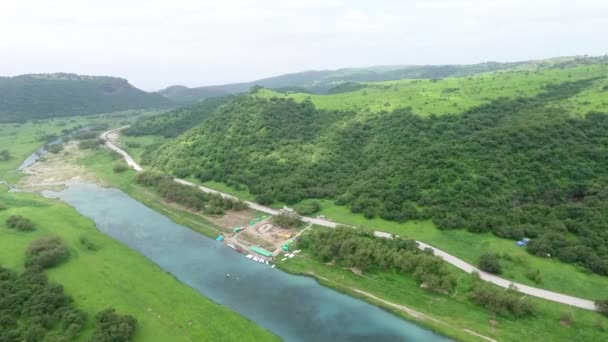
(5, 155)
(489, 262)
(500, 301)
(287, 220)
(308, 207)
(120, 166)
(534, 275)
(3, 206)
(566, 318)
(112, 327)
(20, 223)
(89, 144)
(602, 306)
(55, 148)
(46, 252)
(150, 178)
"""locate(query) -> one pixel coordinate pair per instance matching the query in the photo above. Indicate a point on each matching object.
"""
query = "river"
(295, 308)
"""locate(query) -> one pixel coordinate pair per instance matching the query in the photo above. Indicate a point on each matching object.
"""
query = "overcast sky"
(155, 44)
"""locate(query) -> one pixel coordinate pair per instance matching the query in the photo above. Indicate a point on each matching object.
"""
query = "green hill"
(173, 123)
(323, 81)
(41, 96)
(516, 153)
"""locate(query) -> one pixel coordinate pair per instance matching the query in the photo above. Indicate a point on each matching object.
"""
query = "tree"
(112, 327)
(20, 223)
(5, 155)
(46, 252)
(489, 262)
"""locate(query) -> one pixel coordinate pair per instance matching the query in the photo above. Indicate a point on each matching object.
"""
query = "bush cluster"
(20, 223)
(46, 252)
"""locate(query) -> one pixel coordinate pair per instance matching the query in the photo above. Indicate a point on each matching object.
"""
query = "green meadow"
(456, 95)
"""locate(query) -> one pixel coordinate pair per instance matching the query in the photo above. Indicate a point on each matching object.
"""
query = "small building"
(219, 238)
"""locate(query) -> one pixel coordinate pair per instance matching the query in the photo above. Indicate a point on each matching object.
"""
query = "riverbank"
(451, 314)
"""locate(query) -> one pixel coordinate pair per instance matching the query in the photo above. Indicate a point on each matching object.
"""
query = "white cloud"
(158, 43)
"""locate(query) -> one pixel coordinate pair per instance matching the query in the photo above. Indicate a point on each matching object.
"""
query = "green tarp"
(261, 251)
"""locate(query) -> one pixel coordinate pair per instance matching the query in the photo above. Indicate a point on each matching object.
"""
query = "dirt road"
(461, 264)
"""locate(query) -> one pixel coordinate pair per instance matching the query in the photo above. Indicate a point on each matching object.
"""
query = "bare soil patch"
(56, 170)
(232, 219)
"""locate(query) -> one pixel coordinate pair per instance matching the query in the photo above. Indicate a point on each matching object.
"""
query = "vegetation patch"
(20, 223)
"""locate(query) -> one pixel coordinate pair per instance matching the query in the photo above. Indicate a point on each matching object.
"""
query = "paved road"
(529, 290)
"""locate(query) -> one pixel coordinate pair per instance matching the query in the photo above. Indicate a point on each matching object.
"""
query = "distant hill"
(322, 81)
(39, 96)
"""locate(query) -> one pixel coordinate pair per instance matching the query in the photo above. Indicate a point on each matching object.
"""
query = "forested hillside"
(515, 166)
(32, 97)
(325, 80)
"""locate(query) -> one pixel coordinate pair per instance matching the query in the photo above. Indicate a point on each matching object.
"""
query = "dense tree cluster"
(189, 196)
(359, 248)
(500, 301)
(32, 309)
(20, 223)
(287, 220)
(514, 167)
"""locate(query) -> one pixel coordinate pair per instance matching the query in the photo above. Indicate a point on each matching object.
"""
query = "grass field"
(455, 310)
(455, 95)
(116, 276)
(136, 145)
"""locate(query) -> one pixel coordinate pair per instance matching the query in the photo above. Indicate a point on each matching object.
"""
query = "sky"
(155, 44)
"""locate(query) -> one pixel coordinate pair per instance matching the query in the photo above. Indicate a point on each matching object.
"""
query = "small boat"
(249, 256)
(261, 261)
(272, 266)
(266, 262)
(255, 258)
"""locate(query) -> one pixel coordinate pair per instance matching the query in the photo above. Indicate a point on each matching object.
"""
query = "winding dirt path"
(461, 264)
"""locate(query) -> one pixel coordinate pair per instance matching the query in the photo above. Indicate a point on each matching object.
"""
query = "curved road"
(529, 290)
